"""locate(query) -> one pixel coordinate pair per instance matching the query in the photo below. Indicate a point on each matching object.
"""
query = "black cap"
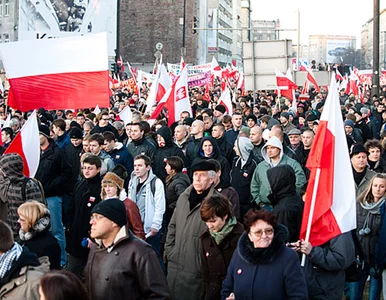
(112, 209)
(75, 133)
(356, 149)
(203, 166)
(188, 121)
(221, 108)
(44, 130)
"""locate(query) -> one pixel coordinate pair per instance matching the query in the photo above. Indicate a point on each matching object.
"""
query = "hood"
(166, 134)
(216, 150)
(282, 180)
(245, 146)
(273, 141)
(149, 178)
(12, 166)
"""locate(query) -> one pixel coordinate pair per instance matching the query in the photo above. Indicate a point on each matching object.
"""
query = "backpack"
(355, 271)
(152, 185)
(38, 183)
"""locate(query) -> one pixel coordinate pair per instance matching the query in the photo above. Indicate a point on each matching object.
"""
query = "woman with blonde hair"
(35, 234)
(371, 232)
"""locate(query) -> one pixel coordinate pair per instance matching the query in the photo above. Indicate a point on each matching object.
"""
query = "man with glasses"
(120, 264)
(87, 193)
(104, 124)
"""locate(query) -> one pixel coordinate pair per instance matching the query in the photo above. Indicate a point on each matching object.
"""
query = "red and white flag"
(161, 84)
(240, 83)
(330, 200)
(225, 100)
(311, 79)
(216, 69)
(58, 73)
(125, 115)
(283, 82)
(27, 144)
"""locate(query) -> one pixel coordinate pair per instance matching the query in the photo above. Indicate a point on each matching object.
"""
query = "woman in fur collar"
(262, 267)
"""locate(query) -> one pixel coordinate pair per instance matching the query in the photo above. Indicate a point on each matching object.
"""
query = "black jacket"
(142, 146)
(226, 149)
(287, 203)
(54, 171)
(162, 153)
(192, 150)
(73, 155)
(87, 193)
(109, 127)
(45, 244)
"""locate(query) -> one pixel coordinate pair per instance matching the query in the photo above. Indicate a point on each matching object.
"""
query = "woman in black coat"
(35, 234)
(218, 243)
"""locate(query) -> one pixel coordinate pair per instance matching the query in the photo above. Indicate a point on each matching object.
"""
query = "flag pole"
(312, 208)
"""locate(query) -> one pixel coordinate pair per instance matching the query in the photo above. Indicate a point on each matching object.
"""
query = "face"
(169, 169)
(208, 123)
(261, 234)
(196, 128)
(307, 139)
(183, 116)
(86, 146)
(374, 154)
(273, 152)
(160, 141)
(69, 116)
(80, 120)
(216, 132)
(216, 223)
(294, 139)
(104, 121)
(76, 142)
(111, 190)
(283, 120)
(90, 171)
(140, 168)
(5, 137)
(251, 123)
(43, 139)
(108, 146)
(55, 129)
(227, 125)
(207, 148)
(95, 148)
(100, 226)
(359, 161)
(128, 130)
(23, 223)
(237, 120)
(136, 133)
(378, 188)
(201, 181)
(86, 129)
(179, 134)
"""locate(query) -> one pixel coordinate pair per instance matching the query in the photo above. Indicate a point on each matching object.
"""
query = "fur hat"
(113, 178)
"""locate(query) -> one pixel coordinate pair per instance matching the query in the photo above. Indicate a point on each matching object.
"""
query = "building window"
(1, 8)
(6, 8)
(6, 38)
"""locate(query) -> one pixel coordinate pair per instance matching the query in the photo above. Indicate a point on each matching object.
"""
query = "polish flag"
(240, 83)
(58, 73)
(125, 115)
(27, 144)
(283, 82)
(311, 78)
(225, 99)
(330, 199)
(182, 63)
(338, 76)
(216, 69)
(158, 88)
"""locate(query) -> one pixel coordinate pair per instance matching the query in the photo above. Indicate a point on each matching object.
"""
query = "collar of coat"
(121, 235)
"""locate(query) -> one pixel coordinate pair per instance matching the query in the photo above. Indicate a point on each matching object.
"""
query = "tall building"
(246, 20)
(237, 46)
(263, 30)
(367, 40)
(8, 21)
(329, 48)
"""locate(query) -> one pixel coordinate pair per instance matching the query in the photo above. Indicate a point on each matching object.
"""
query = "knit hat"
(221, 108)
(112, 209)
(253, 117)
(75, 133)
(285, 115)
(188, 121)
(113, 178)
(44, 130)
(349, 123)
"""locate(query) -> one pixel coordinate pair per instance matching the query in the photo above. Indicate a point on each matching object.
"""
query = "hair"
(89, 124)
(97, 137)
(93, 160)
(60, 123)
(227, 119)
(8, 131)
(146, 127)
(237, 113)
(215, 205)
(220, 126)
(32, 211)
(207, 111)
(351, 117)
(69, 112)
(109, 136)
(6, 237)
(145, 158)
(119, 125)
(367, 194)
(140, 125)
(373, 144)
(62, 285)
(254, 215)
(265, 119)
(175, 163)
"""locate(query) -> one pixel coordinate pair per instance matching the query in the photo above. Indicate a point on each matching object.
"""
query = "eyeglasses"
(104, 119)
(267, 231)
(96, 218)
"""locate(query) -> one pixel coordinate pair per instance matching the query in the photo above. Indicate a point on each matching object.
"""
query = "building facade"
(264, 30)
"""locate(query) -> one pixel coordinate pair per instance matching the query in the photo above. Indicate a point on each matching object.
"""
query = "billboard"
(40, 19)
(336, 49)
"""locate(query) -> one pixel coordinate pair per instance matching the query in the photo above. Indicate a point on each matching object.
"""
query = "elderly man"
(273, 155)
(121, 264)
(182, 250)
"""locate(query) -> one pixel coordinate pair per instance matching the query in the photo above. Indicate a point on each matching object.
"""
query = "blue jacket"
(120, 155)
(380, 248)
(272, 273)
(63, 141)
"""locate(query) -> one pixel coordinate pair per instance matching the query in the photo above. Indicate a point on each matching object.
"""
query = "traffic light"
(113, 67)
(194, 25)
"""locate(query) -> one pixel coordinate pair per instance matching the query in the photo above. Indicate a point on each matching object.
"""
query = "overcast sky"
(337, 17)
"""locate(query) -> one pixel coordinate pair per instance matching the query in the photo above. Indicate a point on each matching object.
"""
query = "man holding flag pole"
(330, 210)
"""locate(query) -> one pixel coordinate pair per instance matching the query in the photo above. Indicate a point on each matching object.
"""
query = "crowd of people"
(207, 208)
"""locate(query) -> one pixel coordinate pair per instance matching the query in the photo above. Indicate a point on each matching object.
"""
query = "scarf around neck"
(39, 226)
(373, 208)
(223, 233)
(7, 258)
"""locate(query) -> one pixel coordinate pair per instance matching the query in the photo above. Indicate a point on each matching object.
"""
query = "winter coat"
(162, 153)
(128, 269)
(45, 244)
(192, 150)
(22, 280)
(174, 188)
(325, 267)
(63, 141)
(380, 248)
(134, 223)
(215, 260)
(141, 146)
(121, 156)
(154, 205)
(54, 171)
(226, 149)
(273, 273)
(260, 188)
(257, 152)
(365, 182)
(216, 154)
(231, 194)
(182, 248)
(107, 162)
(73, 155)
(380, 166)
(101, 130)
(11, 190)
(87, 193)
(231, 135)
(287, 203)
